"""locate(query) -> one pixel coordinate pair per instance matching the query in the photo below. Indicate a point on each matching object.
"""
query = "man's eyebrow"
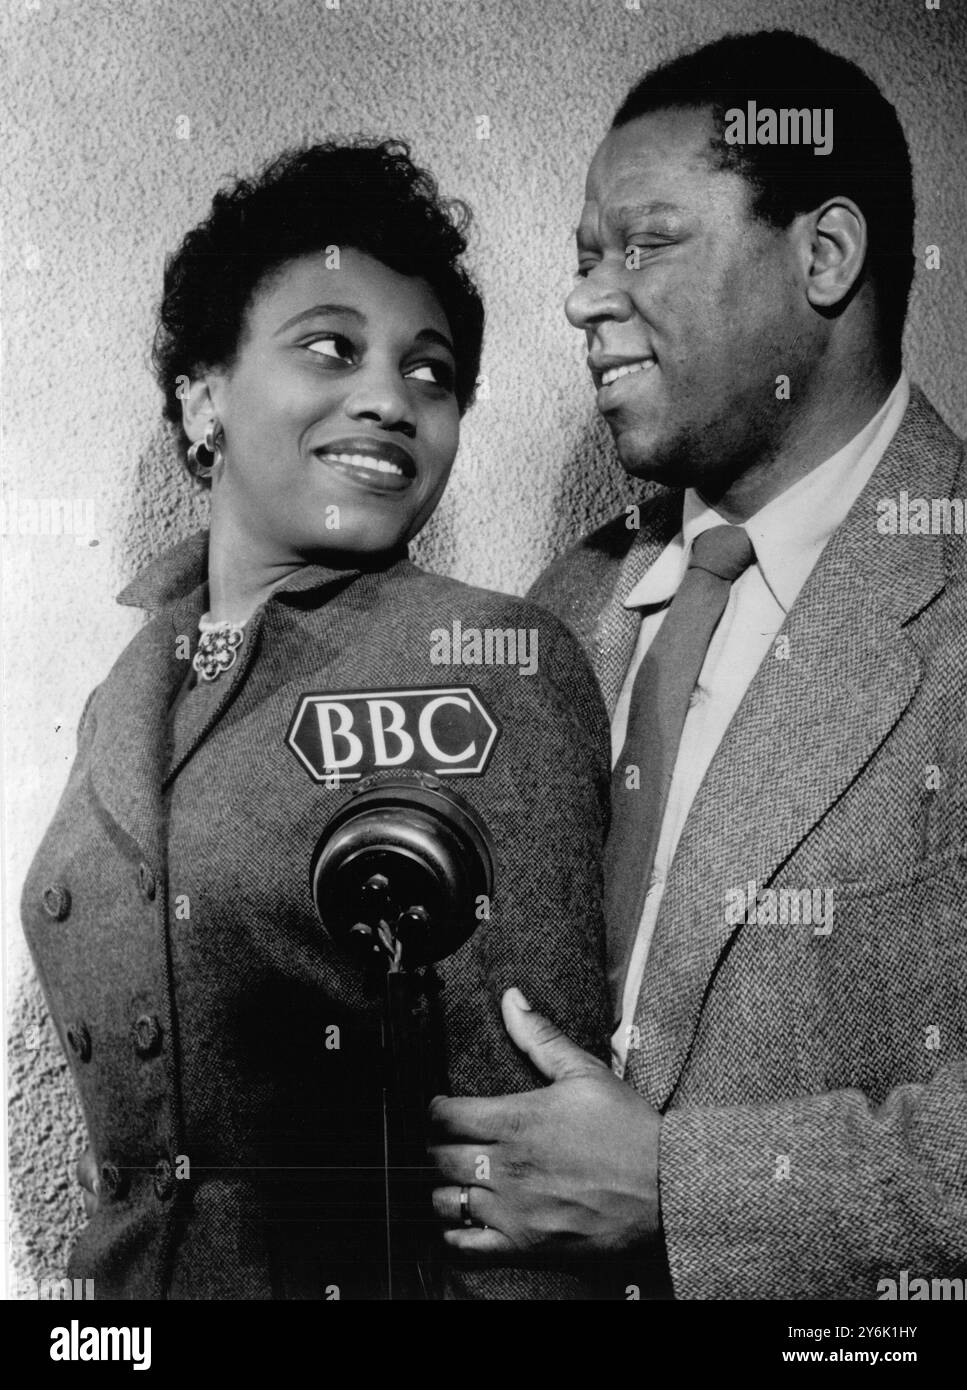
(630, 210)
(346, 310)
(627, 212)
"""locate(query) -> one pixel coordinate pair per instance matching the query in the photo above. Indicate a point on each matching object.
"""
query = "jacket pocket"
(890, 977)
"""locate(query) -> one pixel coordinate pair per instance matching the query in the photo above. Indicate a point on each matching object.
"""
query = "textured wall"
(100, 184)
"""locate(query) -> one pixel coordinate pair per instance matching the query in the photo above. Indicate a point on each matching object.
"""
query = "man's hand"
(571, 1169)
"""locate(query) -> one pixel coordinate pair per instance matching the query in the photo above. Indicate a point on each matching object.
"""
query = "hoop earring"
(211, 445)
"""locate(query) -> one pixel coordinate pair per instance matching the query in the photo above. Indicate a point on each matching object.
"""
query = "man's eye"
(332, 345)
(437, 372)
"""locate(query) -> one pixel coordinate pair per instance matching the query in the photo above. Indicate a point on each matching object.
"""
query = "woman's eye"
(333, 345)
(437, 372)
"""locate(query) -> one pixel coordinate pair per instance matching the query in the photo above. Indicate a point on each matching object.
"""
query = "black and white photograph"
(484, 668)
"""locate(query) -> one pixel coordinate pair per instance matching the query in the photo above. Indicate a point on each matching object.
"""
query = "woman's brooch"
(217, 647)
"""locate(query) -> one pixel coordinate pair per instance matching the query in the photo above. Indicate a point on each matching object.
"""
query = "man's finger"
(478, 1242)
(481, 1206)
(462, 1163)
(469, 1117)
(554, 1054)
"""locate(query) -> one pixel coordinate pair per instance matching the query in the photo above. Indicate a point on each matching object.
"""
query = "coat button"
(146, 1031)
(113, 1181)
(79, 1040)
(164, 1180)
(57, 901)
(146, 882)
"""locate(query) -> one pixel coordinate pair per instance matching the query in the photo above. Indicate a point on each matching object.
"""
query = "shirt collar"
(790, 532)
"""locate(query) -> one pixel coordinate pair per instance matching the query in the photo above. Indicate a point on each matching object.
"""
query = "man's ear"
(835, 244)
(197, 408)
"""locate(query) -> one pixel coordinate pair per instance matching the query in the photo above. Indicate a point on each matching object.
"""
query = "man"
(783, 652)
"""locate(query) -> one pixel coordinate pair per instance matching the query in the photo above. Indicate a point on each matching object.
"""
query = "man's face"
(685, 349)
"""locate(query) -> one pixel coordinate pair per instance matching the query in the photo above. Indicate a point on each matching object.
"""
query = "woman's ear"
(197, 409)
(835, 252)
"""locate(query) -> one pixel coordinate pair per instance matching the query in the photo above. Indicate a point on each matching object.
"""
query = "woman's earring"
(200, 467)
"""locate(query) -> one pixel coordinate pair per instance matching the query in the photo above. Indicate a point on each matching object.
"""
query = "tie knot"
(725, 551)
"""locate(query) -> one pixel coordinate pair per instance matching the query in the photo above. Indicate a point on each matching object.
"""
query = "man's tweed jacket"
(813, 1086)
(171, 920)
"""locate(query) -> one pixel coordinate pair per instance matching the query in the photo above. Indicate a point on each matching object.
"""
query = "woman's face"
(339, 414)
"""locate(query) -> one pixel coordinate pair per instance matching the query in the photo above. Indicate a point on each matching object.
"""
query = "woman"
(318, 343)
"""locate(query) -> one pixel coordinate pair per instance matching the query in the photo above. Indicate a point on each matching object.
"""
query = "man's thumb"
(554, 1054)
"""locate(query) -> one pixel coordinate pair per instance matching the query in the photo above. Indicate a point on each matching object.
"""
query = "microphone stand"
(403, 1104)
(392, 843)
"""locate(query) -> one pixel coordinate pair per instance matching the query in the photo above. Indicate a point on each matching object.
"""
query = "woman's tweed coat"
(170, 918)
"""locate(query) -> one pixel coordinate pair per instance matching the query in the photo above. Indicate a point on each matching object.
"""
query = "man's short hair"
(869, 161)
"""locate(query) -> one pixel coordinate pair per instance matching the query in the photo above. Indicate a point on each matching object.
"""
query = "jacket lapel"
(805, 729)
(225, 689)
(316, 585)
(614, 632)
(130, 743)
(130, 770)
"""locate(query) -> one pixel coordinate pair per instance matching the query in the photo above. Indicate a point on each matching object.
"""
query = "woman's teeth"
(366, 461)
(613, 373)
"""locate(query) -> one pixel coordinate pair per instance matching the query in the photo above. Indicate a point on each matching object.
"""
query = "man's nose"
(380, 395)
(596, 300)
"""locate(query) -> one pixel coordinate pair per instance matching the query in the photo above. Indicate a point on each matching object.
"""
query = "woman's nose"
(381, 396)
(597, 300)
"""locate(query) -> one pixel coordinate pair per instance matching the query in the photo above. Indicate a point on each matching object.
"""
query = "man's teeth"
(613, 373)
(366, 461)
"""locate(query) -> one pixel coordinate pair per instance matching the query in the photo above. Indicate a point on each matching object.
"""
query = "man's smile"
(615, 373)
(607, 368)
(610, 373)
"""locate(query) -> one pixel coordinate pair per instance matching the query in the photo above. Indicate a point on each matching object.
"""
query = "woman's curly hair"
(362, 193)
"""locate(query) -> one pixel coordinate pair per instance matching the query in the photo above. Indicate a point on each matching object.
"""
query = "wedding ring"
(465, 1218)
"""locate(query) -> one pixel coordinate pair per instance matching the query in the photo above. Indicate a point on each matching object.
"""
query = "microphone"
(397, 877)
(400, 870)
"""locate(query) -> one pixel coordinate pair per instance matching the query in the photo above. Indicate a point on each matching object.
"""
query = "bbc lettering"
(446, 731)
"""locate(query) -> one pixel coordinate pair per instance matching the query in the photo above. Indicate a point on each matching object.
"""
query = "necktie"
(660, 697)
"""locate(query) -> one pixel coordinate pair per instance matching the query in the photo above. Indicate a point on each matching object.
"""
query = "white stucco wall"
(99, 185)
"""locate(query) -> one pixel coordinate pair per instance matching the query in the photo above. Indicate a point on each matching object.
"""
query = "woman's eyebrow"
(346, 310)
(425, 335)
(430, 335)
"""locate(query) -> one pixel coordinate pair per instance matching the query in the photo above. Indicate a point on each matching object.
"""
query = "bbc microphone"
(401, 875)
(400, 871)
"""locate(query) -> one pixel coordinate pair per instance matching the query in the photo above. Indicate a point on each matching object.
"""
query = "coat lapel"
(614, 633)
(805, 729)
(130, 743)
(130, 771)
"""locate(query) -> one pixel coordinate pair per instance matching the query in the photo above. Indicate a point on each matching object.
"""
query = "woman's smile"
(373, 464)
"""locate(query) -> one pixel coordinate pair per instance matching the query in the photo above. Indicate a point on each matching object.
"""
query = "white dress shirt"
(789, 534)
